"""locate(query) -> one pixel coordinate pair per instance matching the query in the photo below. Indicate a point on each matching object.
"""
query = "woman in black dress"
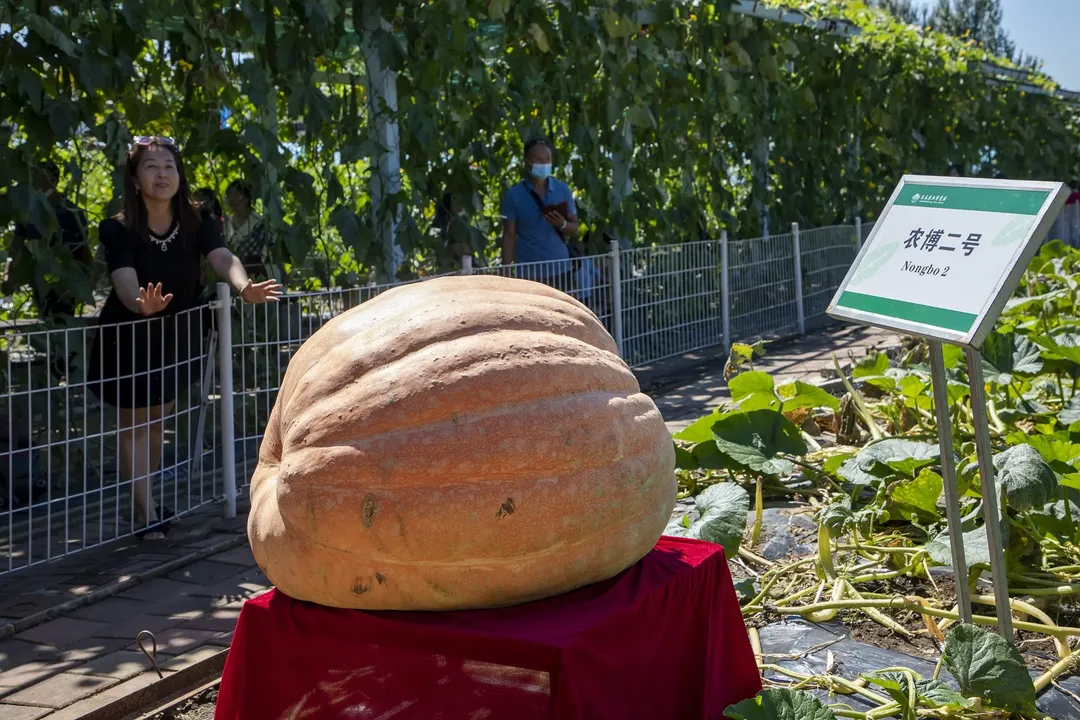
(152, 249)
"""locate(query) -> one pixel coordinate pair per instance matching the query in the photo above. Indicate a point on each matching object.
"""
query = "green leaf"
(768, 67)
(748, 383)
(1063, 345)
(753, 390)
(988, 666)
(888, 457)
(50, 34)
(836, 518)
(302, 187)
(746, 589)
(722, 510)
(356, 234)
(753, 440)
(835, 461)
(929, 693)
(1025, 477)
(780, 704)
(871, 366)
(953, 355)
(1071, 412)
(641, 116)
(738, 54)
(799, 394)
(619, 26)
(918, 496)
(700, 430)
(707, 456)
(976, 549)
(684, 459)
(1061, 454)
(1005, 355)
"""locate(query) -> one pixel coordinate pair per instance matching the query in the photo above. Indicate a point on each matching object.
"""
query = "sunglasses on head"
(146, 140)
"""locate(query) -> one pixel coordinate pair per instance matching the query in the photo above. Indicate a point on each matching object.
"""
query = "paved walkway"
(809, 359)
(69, 627)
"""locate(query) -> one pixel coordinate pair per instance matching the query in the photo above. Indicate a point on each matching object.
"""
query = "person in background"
(55, 302)
(1074, 193)
(152, 249)
(207, 200)
(245, 231)
(540, 220)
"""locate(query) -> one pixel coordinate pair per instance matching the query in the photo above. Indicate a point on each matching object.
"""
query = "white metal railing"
(72, 461)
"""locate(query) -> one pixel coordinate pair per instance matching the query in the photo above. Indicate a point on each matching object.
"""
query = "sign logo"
(932, 200)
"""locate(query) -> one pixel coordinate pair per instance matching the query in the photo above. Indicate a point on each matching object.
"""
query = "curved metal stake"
(948, 474)
(991, 509)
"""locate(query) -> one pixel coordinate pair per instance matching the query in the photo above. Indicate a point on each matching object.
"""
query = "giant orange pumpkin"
(463, 442)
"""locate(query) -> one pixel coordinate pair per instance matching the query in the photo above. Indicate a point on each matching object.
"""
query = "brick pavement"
(806, 358)
(64, 657)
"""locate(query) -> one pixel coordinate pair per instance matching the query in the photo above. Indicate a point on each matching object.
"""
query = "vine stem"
(1070, 663)
(833, 680)
(860, 406)
(899, 603)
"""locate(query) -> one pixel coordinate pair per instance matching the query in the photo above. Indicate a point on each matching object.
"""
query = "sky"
(1048, 29)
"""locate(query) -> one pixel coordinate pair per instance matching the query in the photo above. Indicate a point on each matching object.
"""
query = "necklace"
(163, 243)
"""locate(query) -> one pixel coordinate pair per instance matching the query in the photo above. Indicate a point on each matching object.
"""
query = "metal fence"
(77, 469)
(74, 471)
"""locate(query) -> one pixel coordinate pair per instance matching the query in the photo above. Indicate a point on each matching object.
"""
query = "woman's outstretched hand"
(264, 292)
(151, 301)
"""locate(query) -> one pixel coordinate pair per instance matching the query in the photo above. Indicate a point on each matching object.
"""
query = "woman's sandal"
(159, 531)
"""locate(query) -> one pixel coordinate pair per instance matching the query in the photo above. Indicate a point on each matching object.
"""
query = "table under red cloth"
(663, 639)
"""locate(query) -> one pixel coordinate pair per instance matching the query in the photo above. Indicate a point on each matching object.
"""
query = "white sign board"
(946, 255)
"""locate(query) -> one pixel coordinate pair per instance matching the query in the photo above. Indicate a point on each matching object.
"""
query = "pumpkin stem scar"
(380, 578)
(369, 510)
(507, 508)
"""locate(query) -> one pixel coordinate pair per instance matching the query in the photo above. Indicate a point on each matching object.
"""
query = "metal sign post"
(991, 510)
(948, 474)
(940, 263)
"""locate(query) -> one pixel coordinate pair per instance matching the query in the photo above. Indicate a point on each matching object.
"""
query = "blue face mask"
(541, 171)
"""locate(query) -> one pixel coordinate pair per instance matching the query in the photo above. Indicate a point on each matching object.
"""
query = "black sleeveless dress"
(140, 362)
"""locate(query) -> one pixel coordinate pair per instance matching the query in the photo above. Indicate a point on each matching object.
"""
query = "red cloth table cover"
(663, 639)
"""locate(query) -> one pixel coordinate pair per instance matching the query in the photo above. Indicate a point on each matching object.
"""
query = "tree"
(906, 11)
(980, 20)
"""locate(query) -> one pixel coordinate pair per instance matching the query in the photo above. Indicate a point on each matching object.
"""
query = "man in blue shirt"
(539, 216)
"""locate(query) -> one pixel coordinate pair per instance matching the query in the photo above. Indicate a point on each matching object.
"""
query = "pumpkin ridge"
(369, 414)
(374, 360)
(476, 562)
(507, 408)
(598, 460)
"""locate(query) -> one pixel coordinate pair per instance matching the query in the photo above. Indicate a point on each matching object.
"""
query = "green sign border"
(912, 312)
(951, 197)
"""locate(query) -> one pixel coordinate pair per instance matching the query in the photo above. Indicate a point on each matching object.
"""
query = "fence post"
(858, 233)
(800, 310)
(725, 291)
(228, 419)
(616, 296)
(466, 264)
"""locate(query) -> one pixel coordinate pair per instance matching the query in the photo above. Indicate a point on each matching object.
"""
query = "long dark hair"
(184, 209)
